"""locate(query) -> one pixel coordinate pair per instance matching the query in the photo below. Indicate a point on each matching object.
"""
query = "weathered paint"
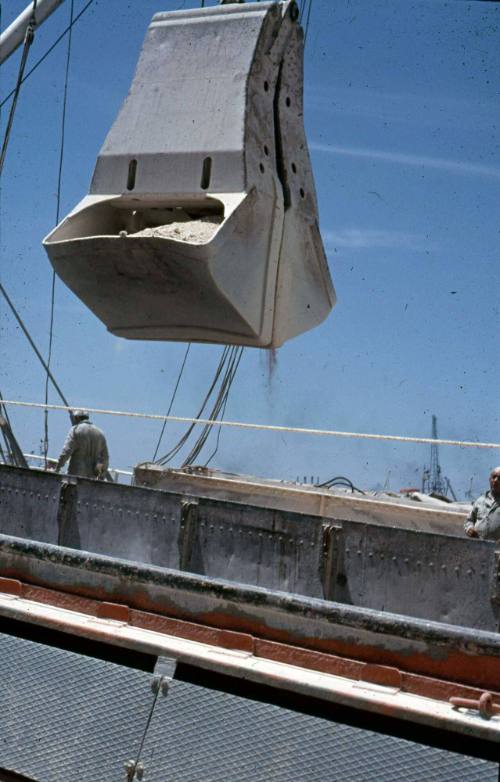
(251, 617)
(11, 586)
(390, 680)
(437, 577)
(116, 611)
(386, 700)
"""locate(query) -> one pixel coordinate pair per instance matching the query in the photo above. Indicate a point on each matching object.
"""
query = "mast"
(433, 482)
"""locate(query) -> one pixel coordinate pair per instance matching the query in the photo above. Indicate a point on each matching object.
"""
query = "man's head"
(79, 416)
(495, 481)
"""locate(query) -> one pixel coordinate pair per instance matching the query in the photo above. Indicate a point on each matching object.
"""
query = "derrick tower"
(433, 482)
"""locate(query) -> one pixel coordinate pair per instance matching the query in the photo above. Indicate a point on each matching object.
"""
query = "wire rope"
(28, 40)
(179, 376)
(33, 345)
(199, 443)
(263, 427)
(174, 451)
(216, 409)
(77, 17)
(224, 376)
(218, 432)
(49, 51)
(219, 404)
(58, 209)
(226, 397)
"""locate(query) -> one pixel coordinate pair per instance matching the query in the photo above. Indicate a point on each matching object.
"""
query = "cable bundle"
(224, 376)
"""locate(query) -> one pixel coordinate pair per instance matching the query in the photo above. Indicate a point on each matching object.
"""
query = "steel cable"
(32, 343)
(218, 432)
(173, 452)
(28, 40)
(197, 447)
(219, 404)
(58, 207)
(216, 408)
(179, 376)
(226, 397)
(264, 427)
(49, 51)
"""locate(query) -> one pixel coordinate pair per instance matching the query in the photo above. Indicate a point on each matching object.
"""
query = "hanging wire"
(173, 451)
(226, 397)
(28, 40)
(219, 430)
(32, 343)
(49, 50)
(225, 373)
(58, 208)
(179, 376)
(340, 480)
(219, 404)
(216, 409)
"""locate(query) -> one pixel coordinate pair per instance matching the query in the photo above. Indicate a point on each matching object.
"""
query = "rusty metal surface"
(470, 657)
(63, 611)
(429, 576)
(485, 705)
(77, 719)
(374, 689)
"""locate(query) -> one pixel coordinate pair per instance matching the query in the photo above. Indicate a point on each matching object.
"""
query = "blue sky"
(402, 117)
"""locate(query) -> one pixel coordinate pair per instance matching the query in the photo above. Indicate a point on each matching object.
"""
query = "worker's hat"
(80, 415)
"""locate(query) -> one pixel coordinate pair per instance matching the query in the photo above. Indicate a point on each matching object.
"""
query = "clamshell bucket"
(201, 223)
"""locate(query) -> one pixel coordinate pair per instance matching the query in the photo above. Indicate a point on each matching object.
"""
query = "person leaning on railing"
(484, 519)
